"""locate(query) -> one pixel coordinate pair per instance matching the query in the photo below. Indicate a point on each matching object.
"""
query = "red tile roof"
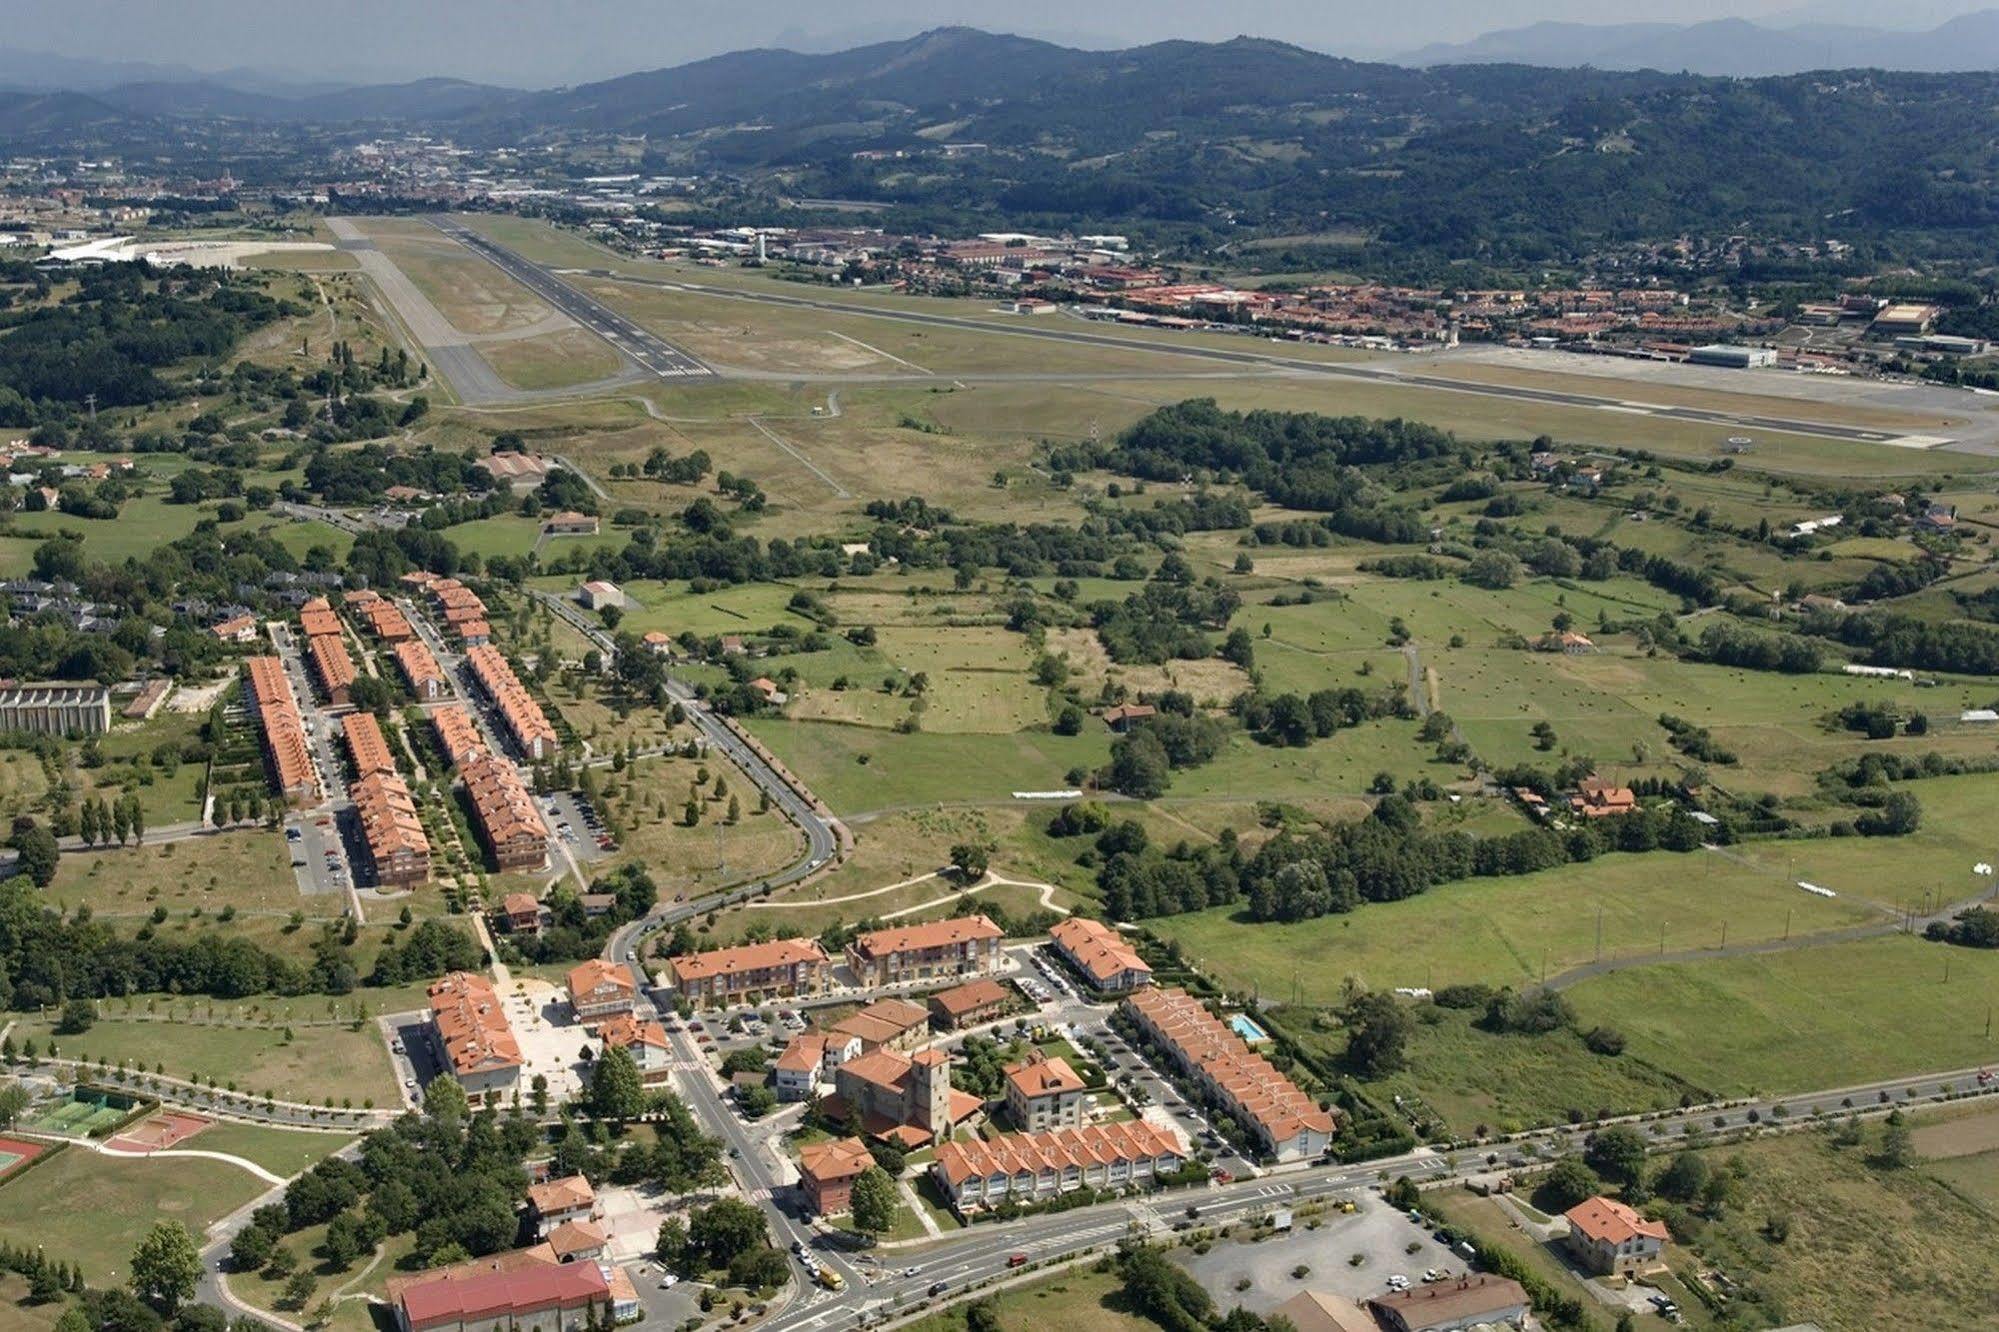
(1055, 1149)
(834, 1160)
(933, 934)
(1097, 948)
(1608, 1221)
(502, 1297)
(747, 957)
(472, 1025)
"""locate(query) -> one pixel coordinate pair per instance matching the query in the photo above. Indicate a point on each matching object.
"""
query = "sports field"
(14, 1151)
(77, 1116)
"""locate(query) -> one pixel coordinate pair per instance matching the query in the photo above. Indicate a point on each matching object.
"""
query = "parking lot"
(571, 819)
(1379, 1234)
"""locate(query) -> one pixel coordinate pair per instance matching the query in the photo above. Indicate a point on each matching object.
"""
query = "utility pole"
(90, 399)
(1599, 933)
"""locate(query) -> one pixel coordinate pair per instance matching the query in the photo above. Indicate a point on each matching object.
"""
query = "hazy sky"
(548, 42)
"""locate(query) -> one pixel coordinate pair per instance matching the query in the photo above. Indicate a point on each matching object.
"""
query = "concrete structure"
(1610, 1239)
(1033, 1167)
(473, 1036)
(1283, 1120)
(518, 710)
(1044, 1093)
(600, 989)
(962, 946)
(1101, 954)
(56, 709)
(597, 594)
(1731, 357)
(560, 1297)
(827, 1171)
(569, 523)
(970, 1004)
(779, 969)
(1450, 1306)
(893, 1024)
(287, 753)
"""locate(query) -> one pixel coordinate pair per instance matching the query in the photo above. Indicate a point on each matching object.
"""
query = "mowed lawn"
(1810, 1018)
(249, 869)
(280, 1151)
(318, 1062)
(95, 1209)
(1076, 1301)
(1510, 930)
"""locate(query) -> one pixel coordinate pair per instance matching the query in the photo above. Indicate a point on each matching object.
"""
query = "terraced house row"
(522, 716)
(398, 848)
(778, 969)
(1271, 1108)
(287, 754)
(1034, 1167)
(420, 670)
(382, 617)
(964, 946)
(504, 813)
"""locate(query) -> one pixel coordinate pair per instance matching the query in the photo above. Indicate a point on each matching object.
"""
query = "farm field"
(1786, 1021)
(856, 768)
(1510, 930)
(95, 1209)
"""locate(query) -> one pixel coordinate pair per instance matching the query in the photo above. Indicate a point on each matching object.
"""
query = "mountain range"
(1730, 47)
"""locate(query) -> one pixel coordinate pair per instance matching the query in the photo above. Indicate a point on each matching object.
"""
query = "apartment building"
(1044, 1093)
(391, 831)
(1283, 1120)
(332, 668)
(645, 1041)
(964, 946)
(827, 1171)
(1100, 953)
(473, 1035)
(555, 1202)
(796, 1074)
(1033, 1167)
(969, 1004)
(518, 711)
(504, 813)
(600, 990)
(893, 1024)
(383, 619)
(420, 670)
(56, 709)
(458, 736)
(287, 754)
(778, 969)
(556, 1297)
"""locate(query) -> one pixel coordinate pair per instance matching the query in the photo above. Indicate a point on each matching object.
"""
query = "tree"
(1569, 1183)
(38, 854)
(166, 1265)
(444, 1101)
(252, 1247)
(1683, 1178)
(78, 1016)
(1898, 1146)
(1377, 1033)
(1618, 1154)
(74, 1320)
(617, 1091)
(874, 1202)
(13, 1103)
(725, 1228)
(671, 1246)
(299, 1287)
(982, 1315)
(1492, 569)
(970, 860)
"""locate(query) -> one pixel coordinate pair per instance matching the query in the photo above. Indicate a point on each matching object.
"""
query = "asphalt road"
(647, 350)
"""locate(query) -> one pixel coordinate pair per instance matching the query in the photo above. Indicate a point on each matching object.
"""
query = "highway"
(647, 350)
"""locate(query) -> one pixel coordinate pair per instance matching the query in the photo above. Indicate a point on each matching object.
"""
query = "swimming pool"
(1245, 1026)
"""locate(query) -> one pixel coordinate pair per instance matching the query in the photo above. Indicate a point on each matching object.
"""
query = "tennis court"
(80, 1115)
(159, 1132)
(15, 1152)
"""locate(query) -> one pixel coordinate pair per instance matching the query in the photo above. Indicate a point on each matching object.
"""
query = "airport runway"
(646, 350)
